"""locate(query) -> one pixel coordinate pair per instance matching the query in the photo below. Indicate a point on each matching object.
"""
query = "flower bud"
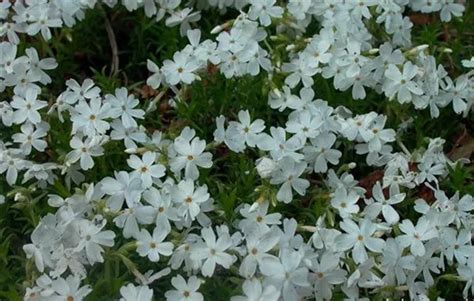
(265, 167)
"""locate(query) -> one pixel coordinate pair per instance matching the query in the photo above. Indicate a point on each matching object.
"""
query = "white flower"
(387, 56)
(265, 167)
(263, 10)
(219, 133)
(254, 291)
(381, 204)
(131, 5)
(345, 203)
(150, 276)
(182, 254)
(180, 69)
(361, 7)
(402, 84)
(458, 247)
(245, 131)
(11, 165)
(364, 276)
(467, 274)
(162, 210)
(394, 263)
(468, 63)
(6, 113)
(185, 291)
(31, 137)
(84, 150)
(183, 17)
(33, 251)
(319, 52)
(136, 293)
(320, 152)
(304, 125)
(258, 246)
(459, 94)
(375, 135)
(36, 66)
(123, 106)
(288, 274)
(189, 199)
(156, 78)
(76, 92)
(43, 235)
(460, 207)
(351, 61)
(128, 220)
(89, 118)
(258, 219)
(121, 187)
(358, 238)
(279, 146)
(429, 169)
(21, 80)
(289, 173)
(8, 57)
(145, 168)
(401, 30)
(27, 106)
(301, 70)
(130, 136)
(353, 127)
(281, 101)
(153, 246)
(69, 289)
(299, 8)
(289, 239)
(92, 240)
(41, 20)
(212, 251)
(43, 173)
(451, 8)
(190, 155)
(415, 236)
(325, 274)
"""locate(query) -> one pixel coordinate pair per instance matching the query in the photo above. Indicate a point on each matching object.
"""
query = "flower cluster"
(159, 209)
(345, 55)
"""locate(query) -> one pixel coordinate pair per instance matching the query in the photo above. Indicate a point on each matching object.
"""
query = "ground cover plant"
(236, 150)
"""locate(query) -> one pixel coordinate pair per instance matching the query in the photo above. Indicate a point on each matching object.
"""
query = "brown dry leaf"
(446, 36)
(420, 19)
(369, 181)
(463, 145)
(413, 166)
(147, 91)
(462, 150)
(212, 69)
(426, 193)
(164, 107)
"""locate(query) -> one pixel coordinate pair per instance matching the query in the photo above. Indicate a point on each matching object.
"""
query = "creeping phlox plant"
(152, 217)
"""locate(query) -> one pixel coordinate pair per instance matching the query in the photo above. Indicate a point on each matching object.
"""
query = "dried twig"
(113, 45)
